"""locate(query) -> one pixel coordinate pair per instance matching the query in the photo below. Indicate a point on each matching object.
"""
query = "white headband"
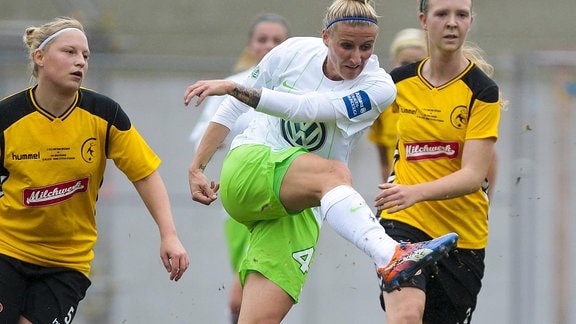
(56, 34)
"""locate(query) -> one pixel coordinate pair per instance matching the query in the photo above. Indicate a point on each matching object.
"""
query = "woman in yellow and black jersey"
(448, 114)
(55, 138)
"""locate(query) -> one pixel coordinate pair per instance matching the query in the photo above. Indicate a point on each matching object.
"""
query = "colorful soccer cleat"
(411, 257)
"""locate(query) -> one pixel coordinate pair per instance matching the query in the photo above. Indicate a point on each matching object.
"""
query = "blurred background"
(145, 53)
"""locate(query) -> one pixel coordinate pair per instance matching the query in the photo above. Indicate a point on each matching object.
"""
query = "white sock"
(349, 215)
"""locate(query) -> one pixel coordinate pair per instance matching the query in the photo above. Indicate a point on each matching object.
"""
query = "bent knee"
(405, 306)
(407, 313)
(337, 173)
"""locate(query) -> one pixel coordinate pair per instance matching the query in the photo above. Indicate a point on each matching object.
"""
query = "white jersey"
(307, 109)
(209, 108)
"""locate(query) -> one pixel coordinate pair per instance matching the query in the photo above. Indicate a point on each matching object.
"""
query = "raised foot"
(409, 258)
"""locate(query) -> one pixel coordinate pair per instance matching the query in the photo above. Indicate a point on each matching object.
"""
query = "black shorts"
(40, 294)
(451, 285)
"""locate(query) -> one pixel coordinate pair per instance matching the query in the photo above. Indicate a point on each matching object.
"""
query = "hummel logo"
(286, 85)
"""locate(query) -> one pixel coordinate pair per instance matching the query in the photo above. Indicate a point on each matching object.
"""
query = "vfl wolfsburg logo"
(309, 135)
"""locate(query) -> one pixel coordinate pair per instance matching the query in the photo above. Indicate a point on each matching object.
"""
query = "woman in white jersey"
(266, 32)
(287, 172)
(448, 113)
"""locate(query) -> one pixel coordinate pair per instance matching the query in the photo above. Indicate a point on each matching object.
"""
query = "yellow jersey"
(51, 169)
(433, 125)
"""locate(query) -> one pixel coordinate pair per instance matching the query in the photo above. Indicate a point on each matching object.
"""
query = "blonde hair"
(475, 54)
(34, 36)
(246, 59)
(350, 8)
(408, 38)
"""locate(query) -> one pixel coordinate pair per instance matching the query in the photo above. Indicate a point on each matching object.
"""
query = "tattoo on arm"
(203, 166)
(249, 96)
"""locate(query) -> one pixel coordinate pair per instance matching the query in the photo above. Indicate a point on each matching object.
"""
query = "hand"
(205, 88)
(199, 188)
(174, 257)
(395, 197)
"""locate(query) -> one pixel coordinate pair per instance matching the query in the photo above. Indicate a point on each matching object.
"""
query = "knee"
(235, 298)
(234, 306)
(405, 306)
(337, 173)
(405, 314)
(333, 175)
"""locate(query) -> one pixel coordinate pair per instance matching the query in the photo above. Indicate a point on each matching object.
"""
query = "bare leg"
(313, 181)
(263, 302)
(24, 320)
(405, 306)
(235, 300)
(309, 178)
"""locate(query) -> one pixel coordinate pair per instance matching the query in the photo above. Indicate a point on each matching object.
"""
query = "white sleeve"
(229, 111)
(208, 109)
(228, 116)
(351, 104)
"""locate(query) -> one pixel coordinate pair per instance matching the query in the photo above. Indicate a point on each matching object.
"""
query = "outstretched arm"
(313, 106)
(153, 192)
(200, 190)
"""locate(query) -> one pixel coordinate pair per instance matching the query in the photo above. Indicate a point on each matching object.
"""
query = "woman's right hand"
(199, 188)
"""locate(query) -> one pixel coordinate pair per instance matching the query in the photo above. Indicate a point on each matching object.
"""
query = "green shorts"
(282, 244)
(237, 237)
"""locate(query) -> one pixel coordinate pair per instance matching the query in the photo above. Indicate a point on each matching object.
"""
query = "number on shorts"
(304, 257)
(69, 316)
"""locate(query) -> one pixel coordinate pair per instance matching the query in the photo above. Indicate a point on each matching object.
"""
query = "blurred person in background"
(267, 31)
(408, 46)
(448, 115)
(55, 139)
(287, 172)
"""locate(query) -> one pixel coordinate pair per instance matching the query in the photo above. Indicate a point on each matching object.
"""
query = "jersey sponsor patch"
(357, 104)
(38, 197)
(418, 151)
(309, 135)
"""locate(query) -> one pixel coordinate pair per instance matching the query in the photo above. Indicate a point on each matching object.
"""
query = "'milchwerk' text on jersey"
(433, 124)
(306, 109)
(51, 169)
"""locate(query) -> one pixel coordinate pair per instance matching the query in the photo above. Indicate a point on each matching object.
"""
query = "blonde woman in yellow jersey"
(448, 115)
(408, 46)
(55, 139)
